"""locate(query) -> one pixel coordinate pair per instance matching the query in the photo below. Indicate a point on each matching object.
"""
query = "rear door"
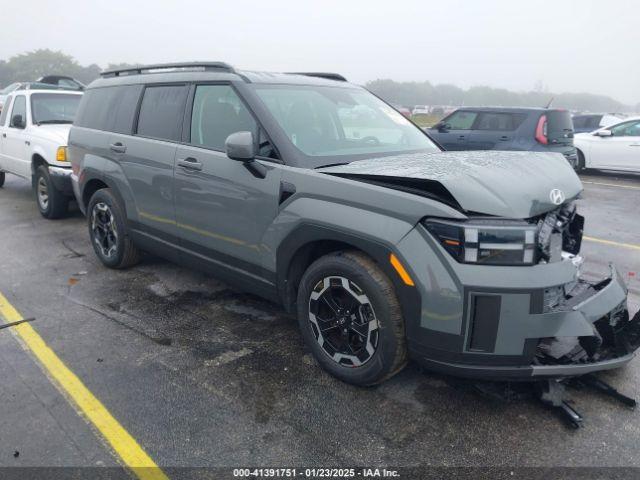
(14, 138)
(223, 209)
(146, 159)
(494, 130)
(453, 131)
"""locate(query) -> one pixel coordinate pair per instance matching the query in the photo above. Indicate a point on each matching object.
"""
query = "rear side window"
(503, 121)
(161, 112)
(5, 110)
(110, 109)
(461, 120)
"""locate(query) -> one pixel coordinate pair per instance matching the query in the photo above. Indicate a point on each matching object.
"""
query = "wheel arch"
(307, 243)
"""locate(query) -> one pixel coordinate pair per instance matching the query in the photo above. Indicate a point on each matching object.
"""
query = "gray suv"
(312, 192)
(508, 128)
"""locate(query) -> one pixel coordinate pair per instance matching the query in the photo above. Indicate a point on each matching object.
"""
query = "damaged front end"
(613, 334)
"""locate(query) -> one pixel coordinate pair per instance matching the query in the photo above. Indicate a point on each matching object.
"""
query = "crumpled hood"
(506, 184)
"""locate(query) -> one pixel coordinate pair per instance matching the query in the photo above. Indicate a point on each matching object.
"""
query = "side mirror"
(603, 133)
(240, 146)
(17, 121)
(443, 127)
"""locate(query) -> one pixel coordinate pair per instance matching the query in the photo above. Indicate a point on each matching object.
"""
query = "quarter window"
(461, 120)
(217, 113)
(19, 108)
(109, 108)
(5, 111)
(161, 112)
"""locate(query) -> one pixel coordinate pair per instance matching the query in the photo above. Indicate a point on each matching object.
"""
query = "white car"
(34, 129)
(616, 147)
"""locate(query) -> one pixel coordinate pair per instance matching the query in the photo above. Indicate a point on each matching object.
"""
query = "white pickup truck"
(34, 129)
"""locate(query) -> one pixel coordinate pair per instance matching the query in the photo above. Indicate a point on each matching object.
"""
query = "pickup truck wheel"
(1, 179)
(351, 319)
(108, 231)
(52, 203)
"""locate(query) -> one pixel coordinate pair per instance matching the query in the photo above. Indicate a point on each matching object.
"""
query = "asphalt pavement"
(202, 375)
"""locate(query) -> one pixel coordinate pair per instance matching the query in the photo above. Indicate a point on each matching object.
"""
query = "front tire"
(351, 319)
(52, 203)
(108, 231)
(580, 167)
(1, 179)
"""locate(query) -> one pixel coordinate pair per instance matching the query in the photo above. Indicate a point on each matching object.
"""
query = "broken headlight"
(508, 243)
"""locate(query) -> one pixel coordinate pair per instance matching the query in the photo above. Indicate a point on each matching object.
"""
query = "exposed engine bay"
(559, 231)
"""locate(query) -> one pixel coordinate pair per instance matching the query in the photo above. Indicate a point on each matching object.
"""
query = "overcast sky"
(570, 46)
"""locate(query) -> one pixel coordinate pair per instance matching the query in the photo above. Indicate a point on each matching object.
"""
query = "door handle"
(504, 138)
(118, 147)
(461, 137)
(190, 163)
(4, 135)
(635, 145)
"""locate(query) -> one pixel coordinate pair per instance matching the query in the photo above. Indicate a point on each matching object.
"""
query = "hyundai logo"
(556, 196)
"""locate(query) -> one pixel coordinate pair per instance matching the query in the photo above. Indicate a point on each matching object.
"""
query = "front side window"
(337, 125)
(217, 113)
(460, 120)
(19, 109)
(161, 112)
(627, 129)
(53, 108)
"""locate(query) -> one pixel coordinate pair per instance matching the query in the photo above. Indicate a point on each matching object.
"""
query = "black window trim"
(186, 129)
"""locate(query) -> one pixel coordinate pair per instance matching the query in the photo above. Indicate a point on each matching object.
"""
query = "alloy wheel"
(343, 321)
(103, 227)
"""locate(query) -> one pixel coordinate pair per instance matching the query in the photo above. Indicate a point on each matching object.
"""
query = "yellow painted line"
(131, 453)
(632, 187)
(611, 242)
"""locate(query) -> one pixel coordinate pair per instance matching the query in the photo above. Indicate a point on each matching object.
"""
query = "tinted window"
(217, 113)
(53, 108)
(460, 120)
(19, 108)
(161, 112)
(109, 109)
(5, 110)
(627, 129)
(499, 121)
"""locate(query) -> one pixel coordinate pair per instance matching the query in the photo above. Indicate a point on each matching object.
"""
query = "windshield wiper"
(43, 122)
(332, 165)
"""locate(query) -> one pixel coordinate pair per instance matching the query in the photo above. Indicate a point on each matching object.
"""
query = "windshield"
(331, 125)
(54, 107)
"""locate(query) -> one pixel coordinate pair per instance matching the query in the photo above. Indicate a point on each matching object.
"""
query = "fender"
(309, 233)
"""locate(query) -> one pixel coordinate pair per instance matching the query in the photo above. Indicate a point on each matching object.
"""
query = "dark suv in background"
(312, 192)
(502, 128)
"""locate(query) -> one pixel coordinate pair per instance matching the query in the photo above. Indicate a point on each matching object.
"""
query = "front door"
(453, 131)
(620, 150)
(222, 208)
(13, 144)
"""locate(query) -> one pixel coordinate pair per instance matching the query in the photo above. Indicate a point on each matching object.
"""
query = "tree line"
(424, 93)
(32, 65)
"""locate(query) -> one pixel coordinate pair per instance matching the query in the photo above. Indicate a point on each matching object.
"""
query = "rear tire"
(108, 231)
(1, 179)
(51, 202)
(580, 167)
(351, 319)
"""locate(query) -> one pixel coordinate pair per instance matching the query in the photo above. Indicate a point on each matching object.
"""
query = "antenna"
(550, 102)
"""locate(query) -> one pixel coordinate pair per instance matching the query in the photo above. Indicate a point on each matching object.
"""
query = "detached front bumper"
(61, 178)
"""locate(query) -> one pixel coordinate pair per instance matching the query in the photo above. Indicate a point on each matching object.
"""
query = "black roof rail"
(327, 75)
(206, 66)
